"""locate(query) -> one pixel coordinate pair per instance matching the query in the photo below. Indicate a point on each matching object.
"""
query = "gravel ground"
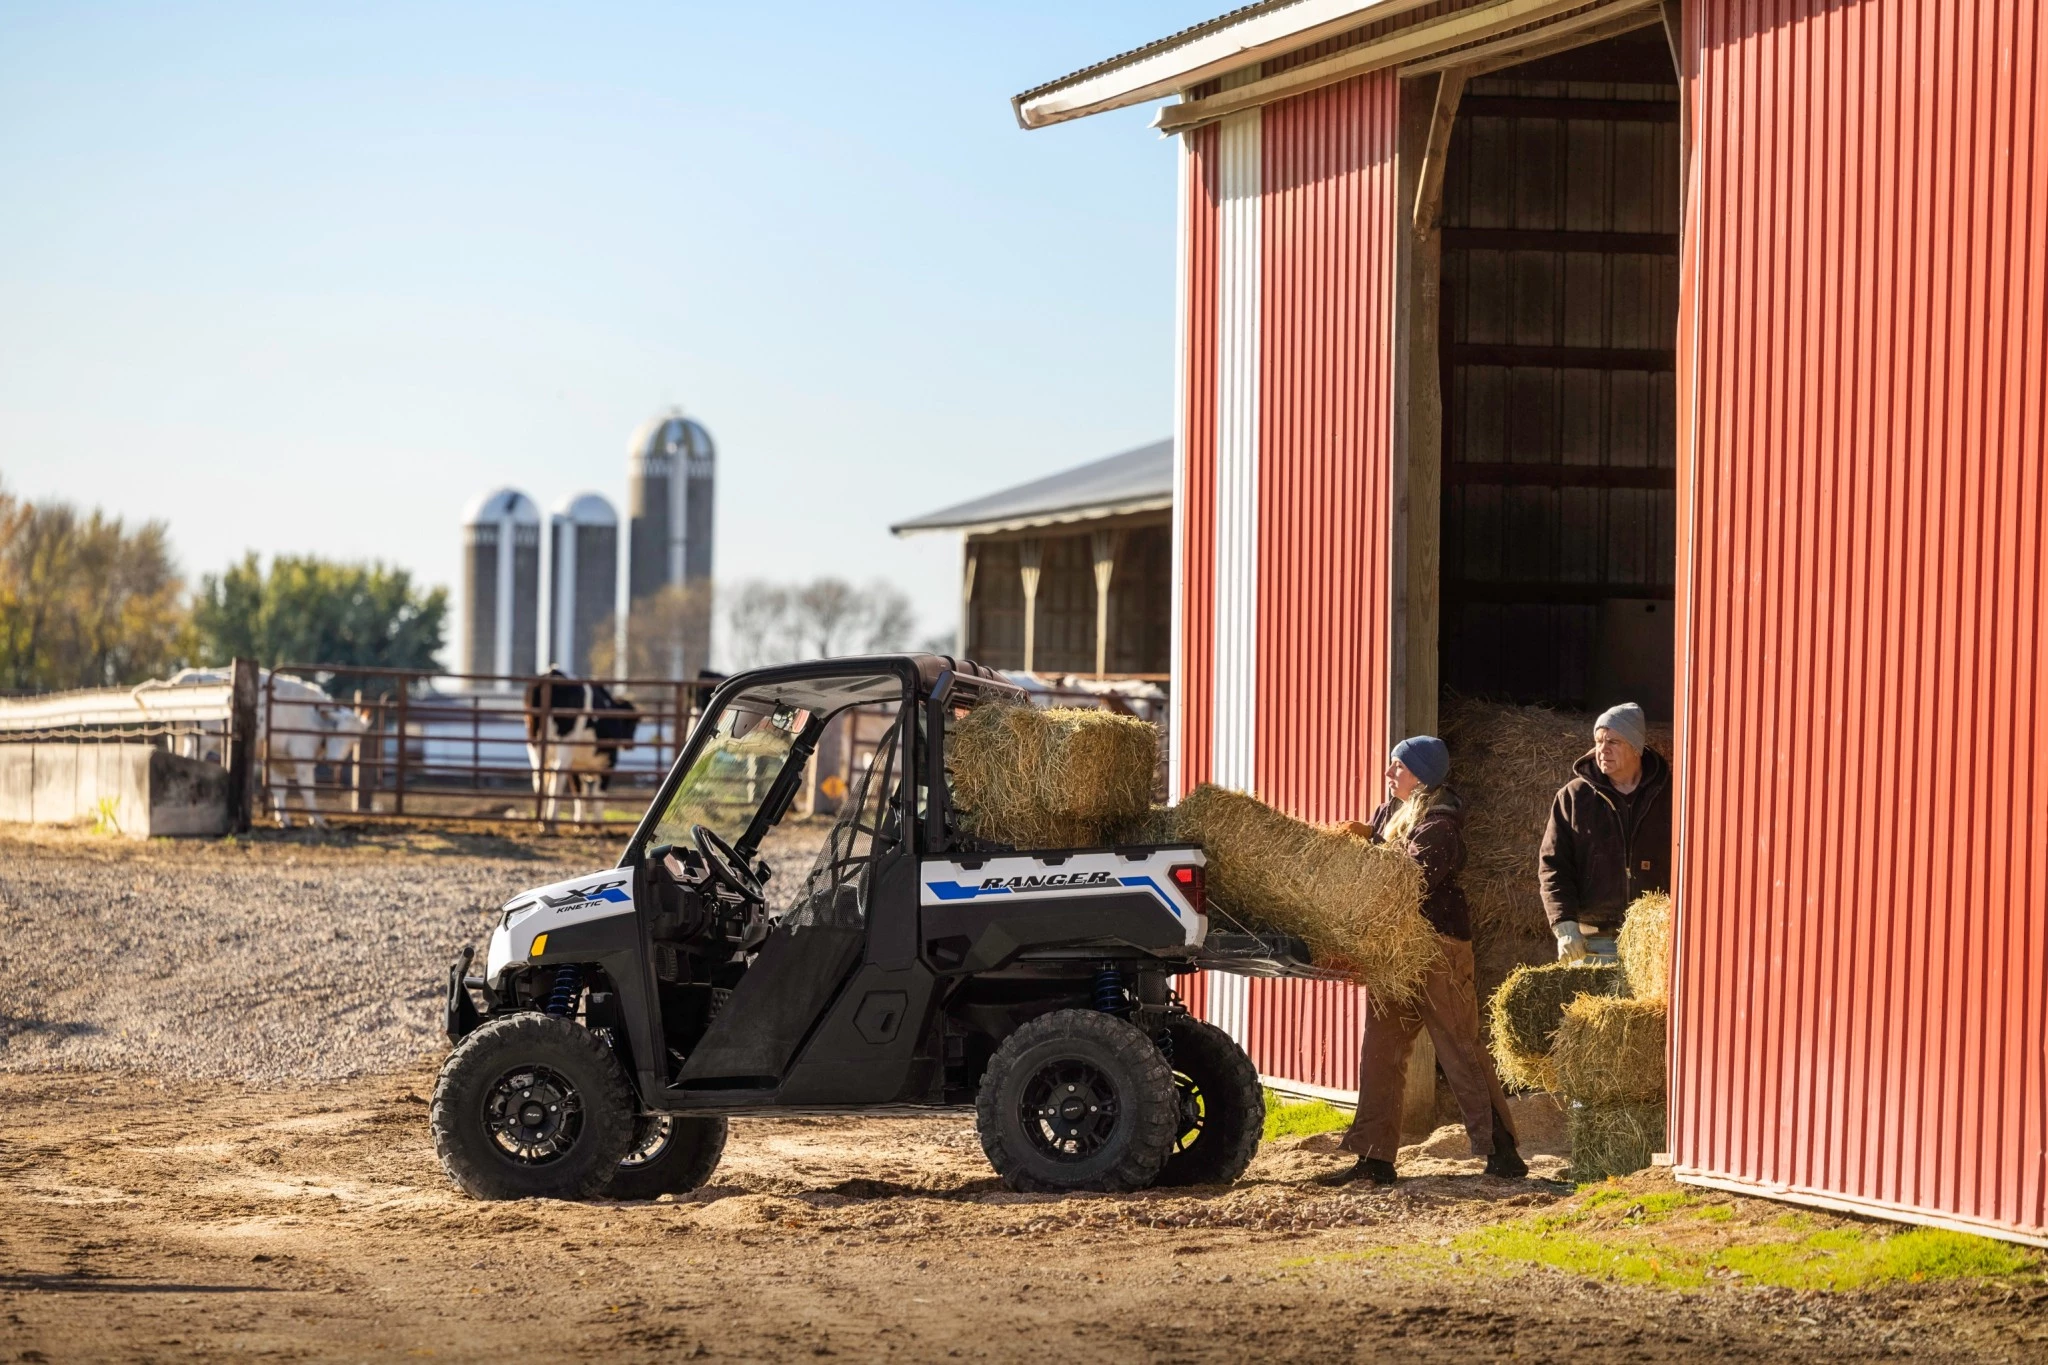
(272, 959)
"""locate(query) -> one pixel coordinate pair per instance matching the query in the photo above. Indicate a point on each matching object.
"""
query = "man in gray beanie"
(1609, 838)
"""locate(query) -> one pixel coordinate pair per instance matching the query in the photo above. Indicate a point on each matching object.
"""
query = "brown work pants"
(1448, 1006)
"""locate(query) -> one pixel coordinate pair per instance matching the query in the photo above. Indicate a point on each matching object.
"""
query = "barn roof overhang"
(1121, 485)
(1476, 38)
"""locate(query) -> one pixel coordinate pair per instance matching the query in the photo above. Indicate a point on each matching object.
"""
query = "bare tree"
(665, 635)
(768, 623)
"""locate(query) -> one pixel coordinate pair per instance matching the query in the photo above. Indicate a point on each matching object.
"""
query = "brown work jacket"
(1437, 844)
(1603, 849)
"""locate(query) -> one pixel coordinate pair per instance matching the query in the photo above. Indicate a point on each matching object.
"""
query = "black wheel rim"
(534, 1115)
(1069, 1110)
(652, 1134)
(1194, 1112)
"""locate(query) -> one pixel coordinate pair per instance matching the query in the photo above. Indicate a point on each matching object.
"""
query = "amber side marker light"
(540, 945)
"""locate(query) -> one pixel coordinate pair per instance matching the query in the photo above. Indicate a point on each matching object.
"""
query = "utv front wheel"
(532, 1107)
(670, 1155)
(1222, 1109)
(1077, 1100)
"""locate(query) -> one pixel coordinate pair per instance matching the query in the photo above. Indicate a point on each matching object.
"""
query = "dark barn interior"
(1561, 210)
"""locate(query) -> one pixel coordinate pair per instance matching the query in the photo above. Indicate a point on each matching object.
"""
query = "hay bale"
(1357, 905)
(1614, 1139)
(1528, 1008)
(1610, 1050)
(1644, 946)
(1067, 777)
(1508, 762)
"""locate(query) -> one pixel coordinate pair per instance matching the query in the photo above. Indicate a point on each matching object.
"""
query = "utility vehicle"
(623, 1016)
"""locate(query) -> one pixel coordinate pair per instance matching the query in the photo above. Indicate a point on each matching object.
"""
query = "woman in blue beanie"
(1424, 818)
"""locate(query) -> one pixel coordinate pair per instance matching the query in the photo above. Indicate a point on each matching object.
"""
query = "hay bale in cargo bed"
(1356, 905)
(1525, 1013)
(1066, 777)
(1614, 1139)
(1508, 762)
(1610, 1050)
(1644, 946)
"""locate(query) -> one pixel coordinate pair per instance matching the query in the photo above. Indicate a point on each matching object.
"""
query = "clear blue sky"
(310, 278)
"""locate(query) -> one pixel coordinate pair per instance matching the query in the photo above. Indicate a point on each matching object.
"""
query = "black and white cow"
(585, 728)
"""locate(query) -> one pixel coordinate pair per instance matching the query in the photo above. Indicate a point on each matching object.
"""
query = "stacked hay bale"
(1610, 1053)
(1067, 777)
(1508, 762)
(1357, 905)
(1528, 1009)
(1595, 1035)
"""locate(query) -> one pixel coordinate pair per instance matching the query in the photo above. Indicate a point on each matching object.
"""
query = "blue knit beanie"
(1426, 756)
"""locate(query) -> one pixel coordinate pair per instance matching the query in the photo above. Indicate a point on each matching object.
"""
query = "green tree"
(84, 602)
(308, 610)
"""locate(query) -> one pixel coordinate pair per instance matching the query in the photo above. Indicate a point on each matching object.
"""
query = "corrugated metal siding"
(1326, 447)
(1864, 895)
(1194, 684)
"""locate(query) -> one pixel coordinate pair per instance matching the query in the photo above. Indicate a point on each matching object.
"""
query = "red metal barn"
(1523, 339)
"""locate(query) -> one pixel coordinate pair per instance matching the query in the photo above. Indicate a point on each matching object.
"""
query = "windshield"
(731, 774)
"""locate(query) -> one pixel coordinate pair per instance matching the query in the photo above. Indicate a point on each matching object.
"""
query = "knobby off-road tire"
(1223, 1109)
(670, 1155)
(1077, 1100)
(558, 1074)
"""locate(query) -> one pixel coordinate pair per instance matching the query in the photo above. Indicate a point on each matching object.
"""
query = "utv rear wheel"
(1077, 1100)
(532, 1107)
(1222, 1109)
(670, 1155)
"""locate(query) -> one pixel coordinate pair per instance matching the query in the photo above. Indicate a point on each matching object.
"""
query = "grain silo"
(670, 463)
(583, 578)
(501, 584)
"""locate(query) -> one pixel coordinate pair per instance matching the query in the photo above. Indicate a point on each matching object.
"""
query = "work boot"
(1505, 1161)
(1371, 1169)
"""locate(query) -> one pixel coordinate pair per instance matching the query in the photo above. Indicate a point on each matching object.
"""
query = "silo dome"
(587, 509)
(671, 436)
(507, 504)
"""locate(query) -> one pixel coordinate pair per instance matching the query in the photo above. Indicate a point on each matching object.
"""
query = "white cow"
(299, 726)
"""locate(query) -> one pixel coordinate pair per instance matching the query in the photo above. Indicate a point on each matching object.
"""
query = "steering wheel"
(727, 867)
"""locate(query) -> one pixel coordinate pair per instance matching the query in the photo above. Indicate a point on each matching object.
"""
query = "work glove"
(1571, 942)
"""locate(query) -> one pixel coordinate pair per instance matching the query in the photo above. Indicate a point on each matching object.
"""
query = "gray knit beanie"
(1628, 724)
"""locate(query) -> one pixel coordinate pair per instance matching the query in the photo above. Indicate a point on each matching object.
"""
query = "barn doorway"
(1557, 318)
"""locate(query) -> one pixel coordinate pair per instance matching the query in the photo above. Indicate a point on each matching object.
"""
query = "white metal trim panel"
(1240, 183)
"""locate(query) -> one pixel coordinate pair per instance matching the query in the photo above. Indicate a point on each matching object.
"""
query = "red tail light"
(1189, 878)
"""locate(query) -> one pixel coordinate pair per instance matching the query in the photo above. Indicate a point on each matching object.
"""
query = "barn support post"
(970, 560)
(1104, 544)
(1028, 560)
(1429, 110)
(241, 749)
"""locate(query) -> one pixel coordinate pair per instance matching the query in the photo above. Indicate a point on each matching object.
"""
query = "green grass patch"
(1850, 1258)
(1289, 1118)
(1607, 1236)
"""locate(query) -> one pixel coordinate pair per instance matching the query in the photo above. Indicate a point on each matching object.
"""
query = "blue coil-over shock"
(568, 986)
(1109, 992)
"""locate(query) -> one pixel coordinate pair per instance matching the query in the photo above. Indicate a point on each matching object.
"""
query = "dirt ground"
(149, 1211)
